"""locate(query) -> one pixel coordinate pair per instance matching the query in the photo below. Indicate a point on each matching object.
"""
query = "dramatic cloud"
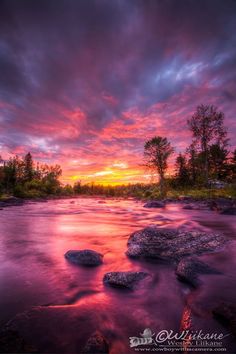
(85, 83)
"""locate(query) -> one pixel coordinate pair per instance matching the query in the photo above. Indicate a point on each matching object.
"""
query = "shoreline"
(223, 205)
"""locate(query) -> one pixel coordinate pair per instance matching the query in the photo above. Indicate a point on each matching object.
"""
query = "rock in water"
(12, 342)
(11, 201)
(224, 206)
(173, 245)
(189, 268)
(226, 314)
(229, 211)
(96, 344)
(197, 206)
(124, 279)
(84, 257)
(154, 204)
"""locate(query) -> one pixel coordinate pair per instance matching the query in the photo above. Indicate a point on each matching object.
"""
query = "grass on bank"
(139, 191)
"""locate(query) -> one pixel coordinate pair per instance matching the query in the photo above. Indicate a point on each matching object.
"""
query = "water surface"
(69, 301)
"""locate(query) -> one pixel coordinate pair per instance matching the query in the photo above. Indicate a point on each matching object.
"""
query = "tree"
(182, 174)
(233, 166)
(28, 167)
(77, 187)
(218, 156)
(193, 162)
(13, 173)
(207, 127)
(156, 152)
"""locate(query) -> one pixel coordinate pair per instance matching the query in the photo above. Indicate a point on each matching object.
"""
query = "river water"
(63, 304)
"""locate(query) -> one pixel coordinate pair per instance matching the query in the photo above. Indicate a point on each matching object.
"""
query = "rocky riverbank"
(225, 206)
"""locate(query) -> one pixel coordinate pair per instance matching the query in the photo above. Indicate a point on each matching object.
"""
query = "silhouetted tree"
(207, 126)
(77, 187)
(19, 177)
(13, 172)
(218, 155)
(233, 166)
(28, 167)
(182, 173)
(193, 162)
(156, 152)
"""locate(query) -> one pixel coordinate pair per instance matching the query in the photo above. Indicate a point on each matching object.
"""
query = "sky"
(84, 83)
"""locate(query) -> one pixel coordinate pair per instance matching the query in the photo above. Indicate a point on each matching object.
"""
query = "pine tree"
(28, 167)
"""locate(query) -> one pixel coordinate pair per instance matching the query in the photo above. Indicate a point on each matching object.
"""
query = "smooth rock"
(84, 257)
(127, 280)
(172, 245)
(154, 204)
(97, 343)
(189, 268)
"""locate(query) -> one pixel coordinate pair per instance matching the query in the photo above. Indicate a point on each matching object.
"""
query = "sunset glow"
(88, 86)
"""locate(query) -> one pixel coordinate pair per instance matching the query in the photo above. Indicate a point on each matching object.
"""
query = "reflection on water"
(34, 238)
(185, 326)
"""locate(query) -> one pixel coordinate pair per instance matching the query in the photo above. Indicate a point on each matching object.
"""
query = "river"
(65, 303)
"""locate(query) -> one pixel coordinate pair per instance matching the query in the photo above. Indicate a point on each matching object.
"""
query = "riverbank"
(222, 205)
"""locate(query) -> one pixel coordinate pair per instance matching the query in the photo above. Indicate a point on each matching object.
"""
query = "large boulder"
(168, 244)
(127, 280)
(154, 204)
(188, 270)
(97, 343)
(84, 257)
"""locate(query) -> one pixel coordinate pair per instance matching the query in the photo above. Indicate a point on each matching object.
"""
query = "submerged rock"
(97, 343)
(11, 201)
(12, 342)
(221, 204)
(189, 268)
(226, 314)
(84, 257)
(168, 244)
(124, 279)
(228, 211)
(154, 204)
(185, 198)
(197, 206)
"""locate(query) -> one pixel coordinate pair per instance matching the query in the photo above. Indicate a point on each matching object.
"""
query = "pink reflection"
(186, 325)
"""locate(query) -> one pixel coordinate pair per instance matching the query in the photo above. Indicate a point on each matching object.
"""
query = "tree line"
(206, 163)
(22, 177)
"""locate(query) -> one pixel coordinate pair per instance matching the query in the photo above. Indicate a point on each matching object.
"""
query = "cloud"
(89, 81)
